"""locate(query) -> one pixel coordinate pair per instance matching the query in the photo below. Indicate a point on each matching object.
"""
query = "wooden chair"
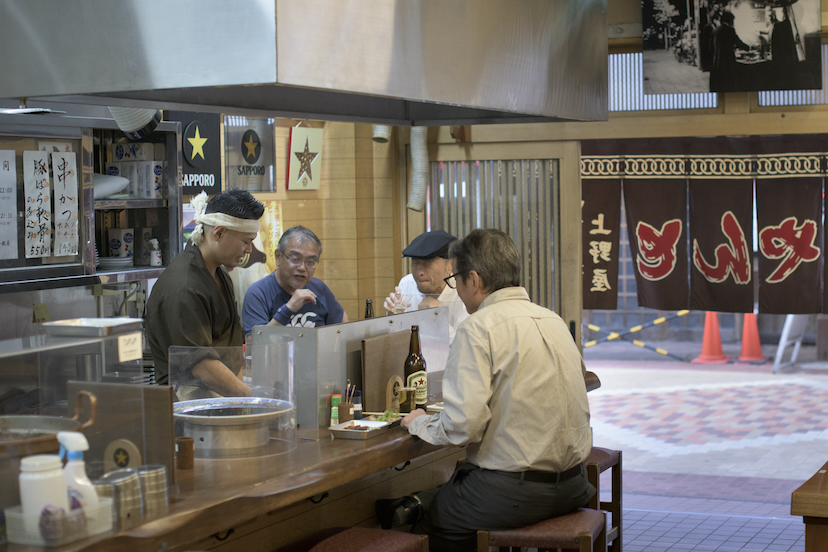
(362, 539)
(600, 460)
(583, 530)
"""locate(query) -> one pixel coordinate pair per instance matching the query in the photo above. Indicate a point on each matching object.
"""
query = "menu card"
(8, 206)
(37, 187)
(64, 169)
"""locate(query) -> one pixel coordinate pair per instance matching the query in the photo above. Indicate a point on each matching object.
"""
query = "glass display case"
(53, 383)
(53, 230)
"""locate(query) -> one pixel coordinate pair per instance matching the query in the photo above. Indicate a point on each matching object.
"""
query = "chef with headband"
(192, 304)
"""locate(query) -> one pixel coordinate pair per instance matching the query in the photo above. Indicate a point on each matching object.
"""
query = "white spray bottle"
(72, 444)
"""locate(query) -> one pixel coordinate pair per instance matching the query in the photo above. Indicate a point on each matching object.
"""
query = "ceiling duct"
(400, 62)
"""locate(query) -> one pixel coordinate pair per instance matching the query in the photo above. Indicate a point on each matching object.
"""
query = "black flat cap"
(429, 245)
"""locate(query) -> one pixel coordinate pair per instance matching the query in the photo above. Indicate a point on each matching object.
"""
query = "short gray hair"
(492, 254)
(300, 234)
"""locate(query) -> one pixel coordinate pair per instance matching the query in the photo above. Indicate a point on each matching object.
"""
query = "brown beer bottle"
(369, 309)
(415, 369)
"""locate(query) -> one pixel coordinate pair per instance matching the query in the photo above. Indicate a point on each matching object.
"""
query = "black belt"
(545, 476)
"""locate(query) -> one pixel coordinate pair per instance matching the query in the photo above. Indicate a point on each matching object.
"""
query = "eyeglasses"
(449, 280)
(296, 261)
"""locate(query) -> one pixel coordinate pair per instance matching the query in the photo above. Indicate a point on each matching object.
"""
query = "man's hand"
(300, 298)
(405, 422)
(428, 302)
(219, 378)
(392, 299)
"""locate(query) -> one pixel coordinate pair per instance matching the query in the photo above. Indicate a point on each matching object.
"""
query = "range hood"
(398, 62)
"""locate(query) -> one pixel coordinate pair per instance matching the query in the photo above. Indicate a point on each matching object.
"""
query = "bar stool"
(582, 530)
(600, 460)
(361, 539)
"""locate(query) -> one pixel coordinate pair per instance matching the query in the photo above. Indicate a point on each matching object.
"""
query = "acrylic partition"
(328, 357)
(253, 417)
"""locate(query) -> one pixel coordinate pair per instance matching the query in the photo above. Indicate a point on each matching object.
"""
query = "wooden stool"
(599, 460)
(582, 530)
(361, 539)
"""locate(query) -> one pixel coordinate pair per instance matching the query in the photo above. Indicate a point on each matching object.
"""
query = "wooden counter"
(810, 501)
(274, 502)
(262, 503)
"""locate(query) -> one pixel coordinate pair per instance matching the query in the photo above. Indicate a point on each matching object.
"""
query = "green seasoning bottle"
(415, 369)
(336, 400)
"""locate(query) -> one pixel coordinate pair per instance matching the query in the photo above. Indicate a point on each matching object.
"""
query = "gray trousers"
(477, 499)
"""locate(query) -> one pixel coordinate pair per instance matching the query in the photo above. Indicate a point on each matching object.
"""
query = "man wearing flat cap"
(430, 283)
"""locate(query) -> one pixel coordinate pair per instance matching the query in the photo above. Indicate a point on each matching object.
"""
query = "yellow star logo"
(251, 147)
(305, 159)
(198, 144)
(121, 457)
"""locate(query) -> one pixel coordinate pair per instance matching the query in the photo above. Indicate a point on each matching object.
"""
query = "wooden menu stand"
(810, 501)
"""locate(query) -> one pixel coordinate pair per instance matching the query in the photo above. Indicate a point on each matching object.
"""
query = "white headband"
(199, 203)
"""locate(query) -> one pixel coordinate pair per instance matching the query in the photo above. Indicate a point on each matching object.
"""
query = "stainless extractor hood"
(399, 62)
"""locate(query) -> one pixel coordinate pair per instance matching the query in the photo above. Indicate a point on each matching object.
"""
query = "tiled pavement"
(711, 453)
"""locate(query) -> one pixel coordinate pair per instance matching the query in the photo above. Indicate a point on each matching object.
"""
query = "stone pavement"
(711, 452)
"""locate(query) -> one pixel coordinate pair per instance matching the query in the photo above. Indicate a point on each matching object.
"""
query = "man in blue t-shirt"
(291, 296)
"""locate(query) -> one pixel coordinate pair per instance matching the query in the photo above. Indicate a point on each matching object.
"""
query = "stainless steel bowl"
(229, 426)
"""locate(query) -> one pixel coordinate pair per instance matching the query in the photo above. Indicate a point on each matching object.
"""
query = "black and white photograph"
(693, 46)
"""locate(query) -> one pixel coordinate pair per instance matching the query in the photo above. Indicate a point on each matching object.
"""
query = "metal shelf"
(130, 275)
(101, 204)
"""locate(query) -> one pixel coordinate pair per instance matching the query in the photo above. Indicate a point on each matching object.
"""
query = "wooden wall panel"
(352, 212)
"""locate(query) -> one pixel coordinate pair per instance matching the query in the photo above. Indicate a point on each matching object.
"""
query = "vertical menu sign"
(8, 206)
(37, 188)
(65, 173)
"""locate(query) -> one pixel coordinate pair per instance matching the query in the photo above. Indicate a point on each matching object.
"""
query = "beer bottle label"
(419, 380)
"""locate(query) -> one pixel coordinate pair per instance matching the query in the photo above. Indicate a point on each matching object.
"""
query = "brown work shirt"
(187, 308)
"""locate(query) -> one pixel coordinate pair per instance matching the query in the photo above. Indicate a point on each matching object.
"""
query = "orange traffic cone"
(712, 342)
(751, 348)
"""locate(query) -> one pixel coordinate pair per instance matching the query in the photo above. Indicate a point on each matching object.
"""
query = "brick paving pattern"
(711, 453)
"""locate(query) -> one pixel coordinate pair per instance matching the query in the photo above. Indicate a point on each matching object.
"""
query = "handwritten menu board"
(38, 215)
(65, 172)
(8, 206)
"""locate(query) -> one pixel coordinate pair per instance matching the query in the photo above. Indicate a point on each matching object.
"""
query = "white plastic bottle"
(41, 484)
(73, 443)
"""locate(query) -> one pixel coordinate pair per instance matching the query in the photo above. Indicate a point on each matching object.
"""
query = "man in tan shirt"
(514, 395)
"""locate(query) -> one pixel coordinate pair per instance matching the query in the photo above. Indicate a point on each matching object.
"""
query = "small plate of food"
(359, 429)
(388, 416)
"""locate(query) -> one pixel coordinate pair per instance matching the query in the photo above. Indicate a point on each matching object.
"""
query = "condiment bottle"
(336, 400)
(369, 309)
(415, 369)
(41, 484)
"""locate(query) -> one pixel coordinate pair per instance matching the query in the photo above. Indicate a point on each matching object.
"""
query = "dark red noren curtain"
(721, 245)
(657, 230)
(788, 212)
(601, 225)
